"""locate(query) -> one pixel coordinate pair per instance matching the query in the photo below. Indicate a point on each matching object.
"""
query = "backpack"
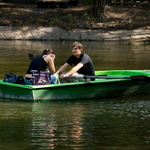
(12, 78)
(40, 78)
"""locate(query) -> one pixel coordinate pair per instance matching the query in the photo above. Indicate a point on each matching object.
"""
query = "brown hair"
(79, 45)
(48, 51)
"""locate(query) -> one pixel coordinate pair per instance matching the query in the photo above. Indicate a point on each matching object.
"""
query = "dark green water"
(117, 123)
(105, 55)
(96, 124)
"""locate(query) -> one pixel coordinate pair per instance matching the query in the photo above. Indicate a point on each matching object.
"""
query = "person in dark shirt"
(40, 63)
(83, 63)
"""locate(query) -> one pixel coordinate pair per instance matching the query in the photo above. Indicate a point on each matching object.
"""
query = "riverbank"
(55, 33)
(27, 22)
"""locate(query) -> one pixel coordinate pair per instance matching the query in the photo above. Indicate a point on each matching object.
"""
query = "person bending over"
(40, 63)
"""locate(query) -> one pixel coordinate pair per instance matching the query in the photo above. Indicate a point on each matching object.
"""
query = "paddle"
(138, 77)
(31, 56)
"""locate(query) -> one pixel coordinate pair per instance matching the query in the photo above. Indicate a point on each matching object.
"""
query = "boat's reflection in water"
(85, 124)
(105, 123)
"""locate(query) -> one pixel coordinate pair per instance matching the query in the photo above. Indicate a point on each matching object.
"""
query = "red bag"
(40, 78)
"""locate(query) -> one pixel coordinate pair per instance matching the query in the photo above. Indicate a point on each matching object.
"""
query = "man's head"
(76, 49)
(77, 44)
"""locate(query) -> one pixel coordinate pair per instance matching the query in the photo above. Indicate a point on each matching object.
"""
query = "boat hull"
(81, 90)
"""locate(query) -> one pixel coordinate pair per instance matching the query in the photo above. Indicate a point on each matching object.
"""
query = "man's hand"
(63, 75)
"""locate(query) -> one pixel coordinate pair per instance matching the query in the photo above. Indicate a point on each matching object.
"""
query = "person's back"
(40, 63)
(37, 63)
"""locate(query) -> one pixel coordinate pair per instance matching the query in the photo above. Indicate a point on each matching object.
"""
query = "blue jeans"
(53, 80)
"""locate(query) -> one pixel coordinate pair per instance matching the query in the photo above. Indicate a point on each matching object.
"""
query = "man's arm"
(72, 71)
(62, 68)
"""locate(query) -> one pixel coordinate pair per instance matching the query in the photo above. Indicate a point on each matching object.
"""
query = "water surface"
(105, 55)
(117, 123)
(97, 124)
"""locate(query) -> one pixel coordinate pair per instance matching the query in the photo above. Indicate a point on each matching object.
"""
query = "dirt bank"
(114, 18)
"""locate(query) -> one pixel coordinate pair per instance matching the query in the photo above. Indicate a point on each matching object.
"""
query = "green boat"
(111, 83)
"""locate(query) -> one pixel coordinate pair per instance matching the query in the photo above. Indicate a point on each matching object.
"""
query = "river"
(97, 124)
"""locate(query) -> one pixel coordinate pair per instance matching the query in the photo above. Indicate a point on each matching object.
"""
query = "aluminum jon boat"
(111, 83)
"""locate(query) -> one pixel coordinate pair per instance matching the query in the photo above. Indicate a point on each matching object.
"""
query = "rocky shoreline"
(56, 34)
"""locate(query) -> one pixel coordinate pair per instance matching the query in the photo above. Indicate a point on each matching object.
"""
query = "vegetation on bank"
(81, 16)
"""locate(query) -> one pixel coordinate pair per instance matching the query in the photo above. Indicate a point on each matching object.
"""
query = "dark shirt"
(88, 67)
(38, 63)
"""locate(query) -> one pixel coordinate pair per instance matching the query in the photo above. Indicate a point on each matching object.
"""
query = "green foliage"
(86, 16)
(102, 17)
(69, 16)
(87, 22)
(62, 18)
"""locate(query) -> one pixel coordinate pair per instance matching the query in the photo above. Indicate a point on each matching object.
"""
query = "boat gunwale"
(97, 81)
(34, 92)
